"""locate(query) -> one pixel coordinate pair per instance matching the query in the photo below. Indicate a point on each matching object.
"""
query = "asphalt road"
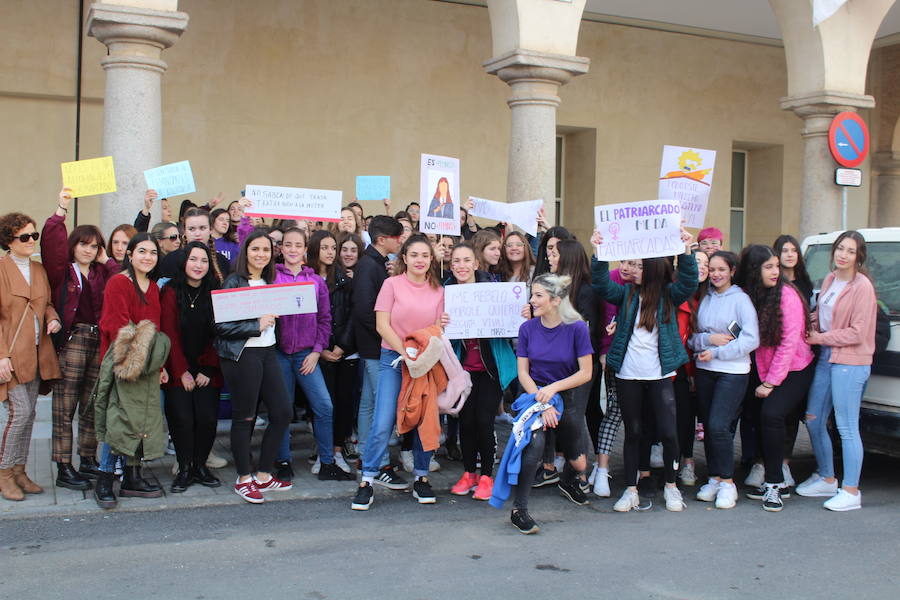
(462, 549)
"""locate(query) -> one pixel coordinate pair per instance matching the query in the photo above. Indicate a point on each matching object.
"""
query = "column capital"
(528, 64)
(817, 110)
(116, 25)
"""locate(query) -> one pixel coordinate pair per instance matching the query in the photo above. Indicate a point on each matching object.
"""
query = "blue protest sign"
(171, 180)
(373, 187)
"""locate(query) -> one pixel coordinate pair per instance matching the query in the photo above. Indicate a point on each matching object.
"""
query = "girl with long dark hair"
(547, 246)
(787, 249)
(517, 259)
(727, 332)
(195, 379)
(783, 361)
(844, 327)
(645, 353)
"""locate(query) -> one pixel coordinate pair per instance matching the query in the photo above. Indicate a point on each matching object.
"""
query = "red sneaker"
(484, 489)
(466, 484)
(273, 485)
(248, 491)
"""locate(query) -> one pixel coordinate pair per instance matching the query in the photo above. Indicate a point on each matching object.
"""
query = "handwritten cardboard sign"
(170, 180)
(484, 310)
(639, 229)
(373, 187)
(293, 203)
(686, 175)
(523, 214)
(439, 195)
(89, 177)
(252, 302)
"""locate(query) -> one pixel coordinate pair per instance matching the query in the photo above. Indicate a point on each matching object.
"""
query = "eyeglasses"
(515, 245)
(34, 235)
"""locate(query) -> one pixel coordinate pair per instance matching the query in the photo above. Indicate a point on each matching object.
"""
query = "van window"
(884, 268)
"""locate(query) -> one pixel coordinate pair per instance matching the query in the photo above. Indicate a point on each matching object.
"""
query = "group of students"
(706, 336)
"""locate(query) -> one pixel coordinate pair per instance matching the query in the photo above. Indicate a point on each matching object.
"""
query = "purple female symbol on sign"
(517, 291)
(614, 230)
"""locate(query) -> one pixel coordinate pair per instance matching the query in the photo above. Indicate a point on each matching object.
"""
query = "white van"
(879, 418)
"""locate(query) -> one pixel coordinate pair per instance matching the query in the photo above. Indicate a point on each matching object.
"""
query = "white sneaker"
(559, 462)
(601, 483)
(844, 501)
(433, 465)
(406, 460)
(170, 448)
(817, 487)
(674, 501)
(341, 463)
(707, 492)
(788, 477)
(687, 475)
(628, 501)
(726, 496)
(214, 461)
(593, 474)
(316, 467)
(757, 476)
(656, 456)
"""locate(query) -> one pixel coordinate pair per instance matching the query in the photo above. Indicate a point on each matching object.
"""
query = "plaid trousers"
(612, 419)
(16, 422)
(80, 366)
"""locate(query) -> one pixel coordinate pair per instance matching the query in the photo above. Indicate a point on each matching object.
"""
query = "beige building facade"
(312, 93)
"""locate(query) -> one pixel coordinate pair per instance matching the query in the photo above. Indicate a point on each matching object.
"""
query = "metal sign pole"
(843, 208)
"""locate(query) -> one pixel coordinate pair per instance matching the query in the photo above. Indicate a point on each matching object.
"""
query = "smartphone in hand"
(734, 329)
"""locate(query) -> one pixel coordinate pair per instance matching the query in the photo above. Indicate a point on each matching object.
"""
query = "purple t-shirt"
(553, 353)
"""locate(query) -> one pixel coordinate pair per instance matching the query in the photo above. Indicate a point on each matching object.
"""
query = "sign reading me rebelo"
(632, 230)
(484, 310)
(237, 304)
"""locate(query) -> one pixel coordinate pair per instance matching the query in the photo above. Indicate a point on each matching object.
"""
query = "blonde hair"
(557, 286)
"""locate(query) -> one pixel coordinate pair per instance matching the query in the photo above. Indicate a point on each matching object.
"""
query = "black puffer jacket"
(342, 313)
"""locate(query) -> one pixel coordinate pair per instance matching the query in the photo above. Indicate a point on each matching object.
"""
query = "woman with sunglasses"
(27, 356)
(167, 236)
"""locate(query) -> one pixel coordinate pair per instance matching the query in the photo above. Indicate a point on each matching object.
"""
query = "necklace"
(194, 299)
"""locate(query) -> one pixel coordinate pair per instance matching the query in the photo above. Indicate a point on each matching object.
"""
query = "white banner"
(439, 195)
(686, 174)
(293, 203)
(523, 214)
(484, 310)
(237, 304)
(639, 230)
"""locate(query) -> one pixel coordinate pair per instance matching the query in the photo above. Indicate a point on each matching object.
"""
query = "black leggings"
(192, 423)
(476, 423)
(593, 413)
(256, 378)
(686, 413)
(642, 401)
(572, 436)
(781, 403)
(342, 381)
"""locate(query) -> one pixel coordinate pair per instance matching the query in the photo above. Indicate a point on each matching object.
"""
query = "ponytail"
(558, 286)
(215, 260)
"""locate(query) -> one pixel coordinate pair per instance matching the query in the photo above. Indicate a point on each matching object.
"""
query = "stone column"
(820, 204)
(886, 177)
(132, 126)
(534, 78)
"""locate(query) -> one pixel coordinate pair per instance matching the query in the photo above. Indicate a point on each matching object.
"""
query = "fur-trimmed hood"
(132, 350)
(423, 361)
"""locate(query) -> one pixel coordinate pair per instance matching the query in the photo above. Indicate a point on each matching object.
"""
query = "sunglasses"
(171, 238)
(34, 235)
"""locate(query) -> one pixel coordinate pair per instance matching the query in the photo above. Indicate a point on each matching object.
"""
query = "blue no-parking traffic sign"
(848, 139)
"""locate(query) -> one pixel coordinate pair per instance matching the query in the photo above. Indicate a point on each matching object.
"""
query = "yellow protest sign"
(89, 177)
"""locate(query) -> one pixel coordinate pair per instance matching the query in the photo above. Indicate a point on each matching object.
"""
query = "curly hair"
(11, 223)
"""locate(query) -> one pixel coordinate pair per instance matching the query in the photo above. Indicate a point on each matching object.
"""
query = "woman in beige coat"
(27, 356)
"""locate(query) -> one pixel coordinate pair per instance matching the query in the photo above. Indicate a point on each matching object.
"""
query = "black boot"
(89, 467)
(204, 476)
(68, 477)
(182, 481)
(135, 485)
(103, 493)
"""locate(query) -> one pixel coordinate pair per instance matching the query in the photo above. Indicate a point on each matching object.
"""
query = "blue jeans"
(313, 386)
(389, 381)
(369, 369)
(841, 386)
(719, 400)
(108, 459)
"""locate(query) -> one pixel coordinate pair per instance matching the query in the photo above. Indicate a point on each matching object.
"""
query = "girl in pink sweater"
(844, 326)
(784, 361)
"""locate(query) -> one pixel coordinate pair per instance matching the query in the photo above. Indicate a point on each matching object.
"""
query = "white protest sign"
(293, 203)
(686, 174)
(439, 195)
(236, 304)
(523, 214)
(646, 229)
(484, 310)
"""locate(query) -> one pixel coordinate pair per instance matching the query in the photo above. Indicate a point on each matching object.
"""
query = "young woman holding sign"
(645, 352)
(492, 366)
(407, 302)
(727, 332)
(250, 364)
